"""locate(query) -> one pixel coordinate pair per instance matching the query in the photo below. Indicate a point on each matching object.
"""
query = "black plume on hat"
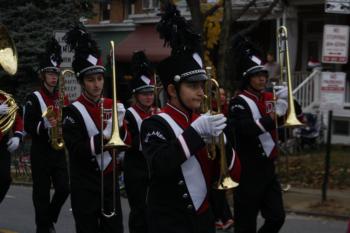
(177, 32)
(51, 60)
(143, 74)
(184, 64)
(248, 54)
(87, 55)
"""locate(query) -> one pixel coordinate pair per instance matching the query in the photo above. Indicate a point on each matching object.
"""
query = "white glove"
(4, 108)
(281, 107)
(13, 144)
(121, 114)
(107, 132)
(282, 93)
(209, 125)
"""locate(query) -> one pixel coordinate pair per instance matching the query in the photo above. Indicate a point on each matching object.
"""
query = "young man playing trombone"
(252, 119)
(85, 133)
(173, 141)
(48, 164)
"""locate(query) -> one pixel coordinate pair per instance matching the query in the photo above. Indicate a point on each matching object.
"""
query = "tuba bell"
(8, 61)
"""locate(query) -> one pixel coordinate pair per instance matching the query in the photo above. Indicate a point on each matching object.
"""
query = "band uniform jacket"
(81, 130)
(181, 173)
(34, 124)
(135, 166)
(253, 133)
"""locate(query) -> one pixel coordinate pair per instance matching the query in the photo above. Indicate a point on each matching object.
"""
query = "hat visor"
(196, 78)
(144, 90)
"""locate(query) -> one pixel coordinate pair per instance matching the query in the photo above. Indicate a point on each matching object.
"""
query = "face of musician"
(145, 99)
(222, 95)
(50, 80)
(93, 86)
(258, 81)
(191, 93)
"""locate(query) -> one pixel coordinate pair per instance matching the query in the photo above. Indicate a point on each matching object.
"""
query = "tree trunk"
(223, 68)
(197, 19)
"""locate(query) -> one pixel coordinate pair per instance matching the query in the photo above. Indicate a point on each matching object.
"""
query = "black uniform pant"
(136, 183)
(5, 170)
(220, 205)
(87, 214)
(250, 197)
(49, 168)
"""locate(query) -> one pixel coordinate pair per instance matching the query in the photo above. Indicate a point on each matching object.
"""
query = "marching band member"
(48, 165)
(136, 174)
(252, 119)
(82, 134)
(7, 146)
(173, 141)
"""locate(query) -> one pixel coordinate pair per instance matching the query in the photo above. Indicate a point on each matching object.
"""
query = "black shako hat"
(184, 63)
(143, 74)
(249, 62)
(50, 61)
(87, 57)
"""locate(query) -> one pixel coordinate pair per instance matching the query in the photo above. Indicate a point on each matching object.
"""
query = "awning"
(145, 38)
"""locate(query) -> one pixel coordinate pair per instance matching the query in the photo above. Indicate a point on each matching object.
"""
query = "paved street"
(17, 214)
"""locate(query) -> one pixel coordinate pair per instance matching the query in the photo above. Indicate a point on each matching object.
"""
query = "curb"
(318, 214)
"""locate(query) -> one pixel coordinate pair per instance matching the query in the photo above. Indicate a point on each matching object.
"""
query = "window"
(150, 4)
(105, 10)
(341, 127)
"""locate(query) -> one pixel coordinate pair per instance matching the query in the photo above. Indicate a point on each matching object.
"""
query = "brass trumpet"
(115, 143)
(224, 182)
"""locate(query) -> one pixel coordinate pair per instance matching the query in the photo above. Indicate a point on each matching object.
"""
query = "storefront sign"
(335, 44)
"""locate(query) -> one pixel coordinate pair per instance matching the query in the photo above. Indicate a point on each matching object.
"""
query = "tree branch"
(243, 11)
(260, 19)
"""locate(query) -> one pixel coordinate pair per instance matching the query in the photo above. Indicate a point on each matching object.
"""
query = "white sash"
(42, 103)
(266, 140)
(92, 131)
(138, 122)
(191, 169)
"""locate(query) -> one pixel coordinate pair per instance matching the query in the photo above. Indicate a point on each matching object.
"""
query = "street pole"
(327, 157)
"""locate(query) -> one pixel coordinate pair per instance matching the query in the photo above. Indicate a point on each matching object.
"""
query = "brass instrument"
(8, 52)
(224, 182)
(115, 142)
(282, 37)
(291, 119)
(56, 133)
(8, 61)
(7, 120)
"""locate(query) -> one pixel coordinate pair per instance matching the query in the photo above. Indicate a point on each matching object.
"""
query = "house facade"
(131, 24)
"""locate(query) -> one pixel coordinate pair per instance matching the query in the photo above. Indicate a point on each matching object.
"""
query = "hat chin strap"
(177, 88)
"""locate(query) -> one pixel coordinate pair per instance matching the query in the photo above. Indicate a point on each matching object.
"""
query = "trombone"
(291, 119)
(115, 143)
(224, 182)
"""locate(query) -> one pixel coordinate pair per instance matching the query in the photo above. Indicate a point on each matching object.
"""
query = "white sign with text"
(332, 90)
(337, 6)
(67, 56)
(72, 87)
(335, 44)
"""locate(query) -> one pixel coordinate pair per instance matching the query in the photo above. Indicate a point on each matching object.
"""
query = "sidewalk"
(308, 202)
